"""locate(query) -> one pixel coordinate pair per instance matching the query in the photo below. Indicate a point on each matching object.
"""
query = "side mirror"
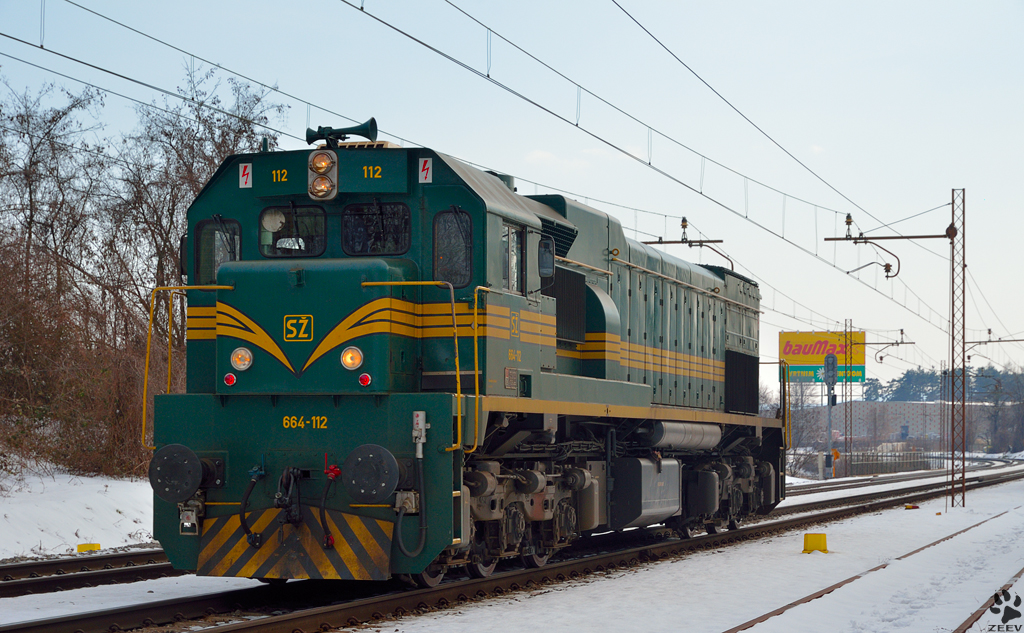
(183, 255)
(546, 257)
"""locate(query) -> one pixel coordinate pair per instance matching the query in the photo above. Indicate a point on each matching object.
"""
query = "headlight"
(241, 359)
(321, 187)
(352, 357)
(321, 162)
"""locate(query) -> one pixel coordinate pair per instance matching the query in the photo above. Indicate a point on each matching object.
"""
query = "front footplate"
(361, 551)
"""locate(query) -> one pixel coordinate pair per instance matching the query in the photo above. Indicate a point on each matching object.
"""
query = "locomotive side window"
(292, 231)
(376, 228)
(453, 247)
(512, 269)
(217, 241)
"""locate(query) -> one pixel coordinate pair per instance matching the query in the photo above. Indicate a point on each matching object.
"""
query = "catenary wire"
(144, 84)
(758, 128)
(619, 149)
(292, 136)
(450, 58)
(747, 119)
(628, 115)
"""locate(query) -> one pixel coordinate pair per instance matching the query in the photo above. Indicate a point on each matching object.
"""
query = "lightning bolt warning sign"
(426, 170)
(245, 176)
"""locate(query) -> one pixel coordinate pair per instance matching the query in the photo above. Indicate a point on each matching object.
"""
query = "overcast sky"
(891, 104)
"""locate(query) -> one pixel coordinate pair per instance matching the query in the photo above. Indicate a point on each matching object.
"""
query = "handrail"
(476, 363)
(573, 262)
(149, 341)
(455, 336)
(787, 429)
(788, 432)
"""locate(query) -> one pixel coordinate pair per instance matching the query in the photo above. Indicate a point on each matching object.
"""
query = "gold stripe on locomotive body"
(201, 323)
(432, 320)
(361, 551)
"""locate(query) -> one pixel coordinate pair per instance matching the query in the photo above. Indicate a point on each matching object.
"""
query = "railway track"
(875, 480)
(43, 576)
(99, 569)
(297, 597)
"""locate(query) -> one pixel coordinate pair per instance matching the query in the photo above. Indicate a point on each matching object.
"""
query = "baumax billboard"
(805, 352)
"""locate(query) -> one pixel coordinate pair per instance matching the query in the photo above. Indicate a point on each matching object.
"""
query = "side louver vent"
(563, 235)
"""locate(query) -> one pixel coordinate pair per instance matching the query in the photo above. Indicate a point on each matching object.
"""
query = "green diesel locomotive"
(398, 365)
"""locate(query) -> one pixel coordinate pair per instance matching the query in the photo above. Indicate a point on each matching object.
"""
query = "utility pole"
(956, 235)
(958, 351)
(848, 398)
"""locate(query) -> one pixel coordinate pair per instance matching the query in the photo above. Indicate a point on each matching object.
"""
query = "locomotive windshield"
(292, 231)
(376, 228)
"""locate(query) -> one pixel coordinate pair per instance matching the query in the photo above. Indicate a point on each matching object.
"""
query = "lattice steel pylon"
(958, 352)
(848, 396)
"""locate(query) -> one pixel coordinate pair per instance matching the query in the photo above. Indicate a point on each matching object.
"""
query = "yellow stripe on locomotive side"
(607, 346)
(400, 317)
(200, 323)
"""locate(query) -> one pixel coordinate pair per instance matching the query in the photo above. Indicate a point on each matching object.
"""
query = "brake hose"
(423, 516)
(253, 539)
(332, 472)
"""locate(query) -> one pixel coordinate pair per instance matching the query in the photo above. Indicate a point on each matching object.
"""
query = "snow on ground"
(46, 515)
(934, 590)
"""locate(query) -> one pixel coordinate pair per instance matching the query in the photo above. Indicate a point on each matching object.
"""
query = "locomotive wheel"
(710, 528)
(683, 532)
(733, 525)
(429, 577)
(533, 561)
(481, 570)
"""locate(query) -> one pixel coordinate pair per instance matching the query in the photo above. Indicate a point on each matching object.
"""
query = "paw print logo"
(1002, 603)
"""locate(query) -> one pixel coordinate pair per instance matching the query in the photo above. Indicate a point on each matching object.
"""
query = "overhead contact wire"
(456, 61)
(600, 139)
(623, 112)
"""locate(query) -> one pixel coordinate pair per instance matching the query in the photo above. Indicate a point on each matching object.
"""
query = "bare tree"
(86, 231)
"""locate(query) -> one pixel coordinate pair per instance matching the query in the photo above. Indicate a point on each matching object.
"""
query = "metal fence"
(865, 463)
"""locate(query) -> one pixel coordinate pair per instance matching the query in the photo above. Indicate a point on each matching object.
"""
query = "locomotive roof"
(722, 271)
(501, 200)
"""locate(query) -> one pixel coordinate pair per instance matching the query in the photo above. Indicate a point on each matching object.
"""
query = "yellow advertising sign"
(810, 348)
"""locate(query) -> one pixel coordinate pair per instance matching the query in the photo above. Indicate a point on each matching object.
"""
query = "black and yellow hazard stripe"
(361, 551)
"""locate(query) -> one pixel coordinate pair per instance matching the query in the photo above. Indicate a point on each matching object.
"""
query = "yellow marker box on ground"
(88, 547)
(814, 543)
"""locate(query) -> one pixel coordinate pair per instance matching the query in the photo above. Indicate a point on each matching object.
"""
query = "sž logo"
(1003, 605)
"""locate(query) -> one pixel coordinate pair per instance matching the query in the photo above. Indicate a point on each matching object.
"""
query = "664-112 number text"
(300, 422)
